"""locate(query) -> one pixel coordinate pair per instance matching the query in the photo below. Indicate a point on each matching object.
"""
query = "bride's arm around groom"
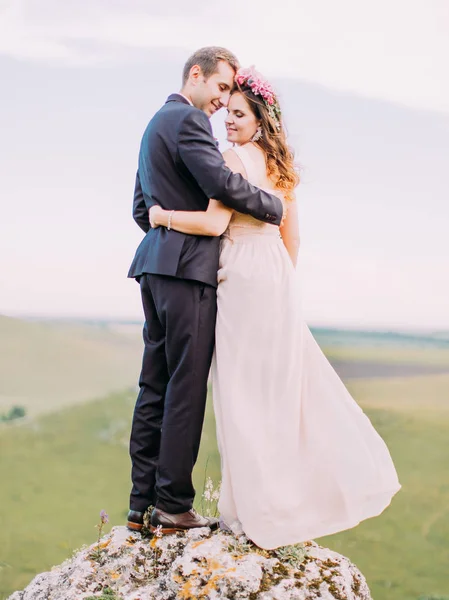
(198, 152)
(212, 222)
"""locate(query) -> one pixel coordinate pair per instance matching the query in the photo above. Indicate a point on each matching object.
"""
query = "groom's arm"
(140, 210)
(197, 150)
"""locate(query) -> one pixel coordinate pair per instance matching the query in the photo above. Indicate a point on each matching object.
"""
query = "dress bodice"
(241, 224)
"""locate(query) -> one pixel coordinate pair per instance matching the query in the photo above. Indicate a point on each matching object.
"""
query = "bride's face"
(241, 123)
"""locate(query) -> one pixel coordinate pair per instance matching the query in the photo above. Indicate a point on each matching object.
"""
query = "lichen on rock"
(197, 565)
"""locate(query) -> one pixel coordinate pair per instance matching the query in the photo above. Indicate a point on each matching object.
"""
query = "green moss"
(356, 583)
(315, 584)
(280, 572)
(336, 593)
(106, 594)
(293, 555)
(298, 582)
(329, 564)
(265, 583)
(237, 547)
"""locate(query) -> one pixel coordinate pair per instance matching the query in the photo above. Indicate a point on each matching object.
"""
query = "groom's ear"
(195, 74)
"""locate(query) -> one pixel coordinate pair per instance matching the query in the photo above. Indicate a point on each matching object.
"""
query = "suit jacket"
(181, 168)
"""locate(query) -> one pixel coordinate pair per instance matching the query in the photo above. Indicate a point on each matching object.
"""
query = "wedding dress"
(299, 458)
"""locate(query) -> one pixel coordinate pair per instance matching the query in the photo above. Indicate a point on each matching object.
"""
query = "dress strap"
(248, 163)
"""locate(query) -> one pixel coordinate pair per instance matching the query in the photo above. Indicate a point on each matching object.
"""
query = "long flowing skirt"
(299, 457)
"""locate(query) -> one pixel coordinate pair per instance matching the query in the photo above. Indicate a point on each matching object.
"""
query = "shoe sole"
(134, 526)
(166, 530)
(171, 530)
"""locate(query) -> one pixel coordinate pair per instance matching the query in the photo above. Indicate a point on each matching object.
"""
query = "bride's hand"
(153, 214)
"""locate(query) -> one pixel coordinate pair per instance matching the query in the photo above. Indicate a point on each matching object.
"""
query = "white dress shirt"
(189, 101)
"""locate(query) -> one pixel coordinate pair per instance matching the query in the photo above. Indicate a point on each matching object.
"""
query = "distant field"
(45, 366)
(390, 355)
(426, 398)
(63, 468)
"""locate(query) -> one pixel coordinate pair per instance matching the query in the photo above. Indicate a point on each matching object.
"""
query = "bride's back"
(254, 162)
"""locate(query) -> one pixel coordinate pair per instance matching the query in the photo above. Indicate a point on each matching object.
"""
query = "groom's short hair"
(208, 58)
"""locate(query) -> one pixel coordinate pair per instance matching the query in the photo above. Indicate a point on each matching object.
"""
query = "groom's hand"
(284, 214)
(152, 215)
(281, 195)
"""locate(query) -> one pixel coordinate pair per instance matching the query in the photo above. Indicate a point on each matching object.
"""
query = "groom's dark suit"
(180, 168)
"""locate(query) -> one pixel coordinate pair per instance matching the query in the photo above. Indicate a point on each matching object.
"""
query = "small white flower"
(208, 490)
(158, 531)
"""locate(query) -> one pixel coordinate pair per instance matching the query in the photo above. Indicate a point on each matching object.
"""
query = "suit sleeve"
(140, 211)
(198, 152)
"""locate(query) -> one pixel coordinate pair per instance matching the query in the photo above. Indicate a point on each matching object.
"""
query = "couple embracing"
(216, 268)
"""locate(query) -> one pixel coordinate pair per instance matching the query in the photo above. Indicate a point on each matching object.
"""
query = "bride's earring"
(256, 137)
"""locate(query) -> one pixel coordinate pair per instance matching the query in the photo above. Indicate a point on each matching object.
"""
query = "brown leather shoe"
(169, 523)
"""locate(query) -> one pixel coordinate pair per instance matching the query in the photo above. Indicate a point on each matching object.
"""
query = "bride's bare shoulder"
(234, 162)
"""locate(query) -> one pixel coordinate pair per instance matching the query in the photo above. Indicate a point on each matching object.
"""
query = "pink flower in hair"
(260, 87)
(242, 75)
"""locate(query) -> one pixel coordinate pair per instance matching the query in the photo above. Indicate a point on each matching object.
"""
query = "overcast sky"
(81, 79)
(391, 49)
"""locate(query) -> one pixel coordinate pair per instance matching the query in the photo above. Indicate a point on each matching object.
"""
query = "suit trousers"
(179, 335)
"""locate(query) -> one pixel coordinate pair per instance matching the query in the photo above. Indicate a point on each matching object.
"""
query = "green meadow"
(60, 468)
(46, 366)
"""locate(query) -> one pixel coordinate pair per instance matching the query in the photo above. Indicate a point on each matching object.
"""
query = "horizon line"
(134, 320)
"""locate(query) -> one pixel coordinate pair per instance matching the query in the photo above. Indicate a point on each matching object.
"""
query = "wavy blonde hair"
(281, 167)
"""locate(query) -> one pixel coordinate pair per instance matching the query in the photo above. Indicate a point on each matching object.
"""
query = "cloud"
(394, 51)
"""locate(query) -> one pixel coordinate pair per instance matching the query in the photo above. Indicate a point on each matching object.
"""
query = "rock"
(194, 565)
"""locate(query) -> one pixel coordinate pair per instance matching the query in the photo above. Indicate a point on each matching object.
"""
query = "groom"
(181, 168)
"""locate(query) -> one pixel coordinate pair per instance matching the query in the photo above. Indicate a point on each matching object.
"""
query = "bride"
(299, 458)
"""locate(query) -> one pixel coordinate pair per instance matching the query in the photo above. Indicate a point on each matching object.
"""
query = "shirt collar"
(189, 101)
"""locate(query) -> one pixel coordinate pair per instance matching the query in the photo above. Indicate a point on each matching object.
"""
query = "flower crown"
(261, 87)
